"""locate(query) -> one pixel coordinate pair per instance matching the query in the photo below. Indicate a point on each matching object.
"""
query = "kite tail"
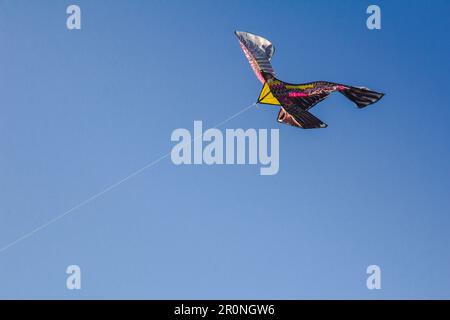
(362, 96)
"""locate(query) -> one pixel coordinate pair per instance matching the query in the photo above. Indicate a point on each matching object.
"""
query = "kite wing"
(308, 102)
(297, 117)
(258, 51)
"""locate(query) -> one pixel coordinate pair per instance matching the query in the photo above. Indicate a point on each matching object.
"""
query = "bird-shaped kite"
(295, 99)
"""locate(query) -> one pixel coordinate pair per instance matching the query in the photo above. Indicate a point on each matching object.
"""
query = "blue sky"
(80, 110)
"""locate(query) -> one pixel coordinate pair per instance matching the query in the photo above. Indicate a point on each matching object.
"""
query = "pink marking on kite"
(340, 87)
(297, 94)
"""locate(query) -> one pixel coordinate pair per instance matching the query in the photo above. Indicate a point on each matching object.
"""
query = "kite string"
(111, 187)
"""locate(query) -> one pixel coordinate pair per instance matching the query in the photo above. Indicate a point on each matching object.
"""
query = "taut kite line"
(295, 99)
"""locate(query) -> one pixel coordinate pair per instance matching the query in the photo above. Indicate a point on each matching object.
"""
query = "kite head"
(267, 76)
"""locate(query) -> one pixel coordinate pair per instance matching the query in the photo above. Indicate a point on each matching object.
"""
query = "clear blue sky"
(79, 110)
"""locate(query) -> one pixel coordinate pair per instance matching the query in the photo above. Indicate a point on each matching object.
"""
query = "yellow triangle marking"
(266, 96)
